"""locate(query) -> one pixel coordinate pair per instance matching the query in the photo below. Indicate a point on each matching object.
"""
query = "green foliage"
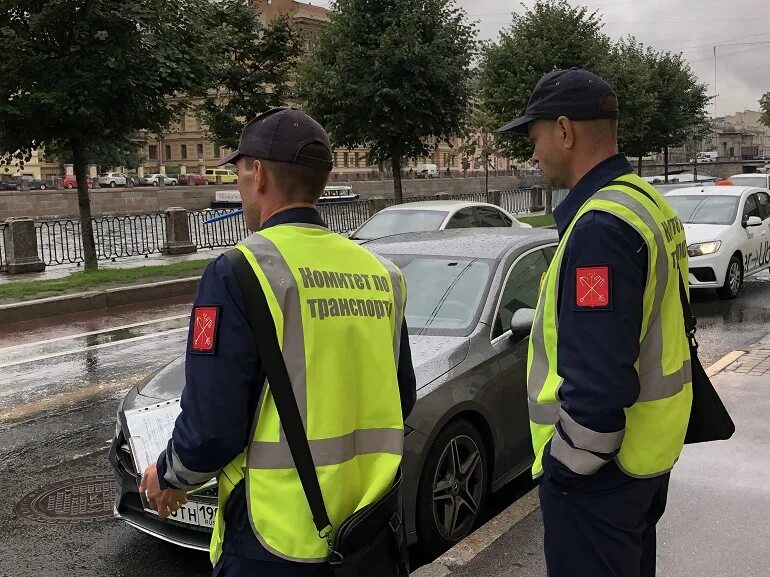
(764, 104)
(90, 73)
(254, 68)
(391, 75)
(552, 35)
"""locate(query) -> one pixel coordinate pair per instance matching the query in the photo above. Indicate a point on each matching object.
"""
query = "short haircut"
(296, 182)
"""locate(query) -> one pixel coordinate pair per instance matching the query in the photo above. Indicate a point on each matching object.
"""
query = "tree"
(629, 68)
(82, 74)
(254, 67)
(681, 109)
(480, 141)
(552, 35)
(764, 104)
(391, 75)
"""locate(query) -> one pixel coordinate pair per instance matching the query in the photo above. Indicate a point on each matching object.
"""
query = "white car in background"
(434, 215)
(154, 180)
(113, 179)
(756, 179)
(728, 234)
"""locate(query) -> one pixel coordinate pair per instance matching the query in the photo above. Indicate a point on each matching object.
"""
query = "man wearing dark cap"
(338, 313)
(609, 379)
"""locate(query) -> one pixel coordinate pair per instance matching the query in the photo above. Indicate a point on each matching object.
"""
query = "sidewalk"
(717, 523)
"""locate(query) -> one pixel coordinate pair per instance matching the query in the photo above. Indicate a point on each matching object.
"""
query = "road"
(60, 383)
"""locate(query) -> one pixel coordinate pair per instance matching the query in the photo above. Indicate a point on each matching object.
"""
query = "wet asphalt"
(60, 384)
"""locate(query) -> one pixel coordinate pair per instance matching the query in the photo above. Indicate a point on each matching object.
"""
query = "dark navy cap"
(574, 93)
(285, 135)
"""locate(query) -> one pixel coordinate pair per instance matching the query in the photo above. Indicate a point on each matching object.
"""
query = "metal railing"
(227, 232)
(59, 241)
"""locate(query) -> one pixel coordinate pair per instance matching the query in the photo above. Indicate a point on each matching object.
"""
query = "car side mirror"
(752, 221)
(521, 324)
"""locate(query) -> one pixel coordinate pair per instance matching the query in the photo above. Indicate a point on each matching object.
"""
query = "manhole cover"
(82, 500)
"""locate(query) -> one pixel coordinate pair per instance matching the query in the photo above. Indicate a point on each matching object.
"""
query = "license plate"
(198, 514)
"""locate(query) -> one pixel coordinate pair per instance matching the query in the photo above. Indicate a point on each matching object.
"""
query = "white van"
(426, 170)
(710, 156)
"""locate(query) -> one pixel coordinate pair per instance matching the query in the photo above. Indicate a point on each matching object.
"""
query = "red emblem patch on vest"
(593, 290)
(204, 339)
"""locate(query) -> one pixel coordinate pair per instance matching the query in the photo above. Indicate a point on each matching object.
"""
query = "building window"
(167, 152)
(446, 159)
(357, 159)
(217, 152)
(336, 159)
(345, 159)
(200, 152)
(732, 151)
(152, 152)
(184, 152)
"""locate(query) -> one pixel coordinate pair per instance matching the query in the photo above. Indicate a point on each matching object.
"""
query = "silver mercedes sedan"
(469, 311)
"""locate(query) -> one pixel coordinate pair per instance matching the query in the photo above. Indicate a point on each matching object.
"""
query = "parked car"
(434, 215)
(469, 348)
(227, 176)
(710, 156)
(69, 182)
(113, 179)
(752, 179)
(155, 179)
(14, 183)
(192, 179)
(728, 234)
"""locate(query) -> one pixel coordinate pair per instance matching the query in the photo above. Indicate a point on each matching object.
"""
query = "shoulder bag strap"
(263, 327)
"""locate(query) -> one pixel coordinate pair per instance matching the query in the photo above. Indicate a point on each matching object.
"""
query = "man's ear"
(566, 130)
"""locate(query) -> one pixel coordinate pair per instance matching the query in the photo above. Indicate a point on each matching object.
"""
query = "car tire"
(68, 187)
(733, 279)
(43, 187)
(113, 184)
(235, 181)
(173, 183)
(453, 488)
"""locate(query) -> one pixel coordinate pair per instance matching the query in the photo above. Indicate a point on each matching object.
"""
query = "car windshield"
(389, 222)
(758, 181)
(705, 209)
(445, 294)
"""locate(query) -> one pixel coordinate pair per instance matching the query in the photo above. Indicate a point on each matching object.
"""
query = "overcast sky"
(692, 27)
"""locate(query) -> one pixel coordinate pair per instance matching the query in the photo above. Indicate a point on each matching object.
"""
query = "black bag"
(709, 419)
(372, 542)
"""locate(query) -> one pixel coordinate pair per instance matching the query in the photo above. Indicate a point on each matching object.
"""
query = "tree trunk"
(695, 168)
(548, 199)
(397, 189)
(80, 165)
(486, 180)
(639, 166)
(665, 164)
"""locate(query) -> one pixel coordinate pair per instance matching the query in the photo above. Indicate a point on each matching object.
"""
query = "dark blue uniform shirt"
(220, 399)
(597, 348)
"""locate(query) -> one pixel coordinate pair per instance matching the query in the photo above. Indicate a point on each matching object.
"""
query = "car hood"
(703, 232)
(432, 358)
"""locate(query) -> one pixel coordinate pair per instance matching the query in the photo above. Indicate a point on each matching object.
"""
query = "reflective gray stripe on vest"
(588, 439)
(538, 372)
(654, 384)
(576, 460)
(284, 287)
(398, 304)
(543, 413)
(264, 455)
(180, 476)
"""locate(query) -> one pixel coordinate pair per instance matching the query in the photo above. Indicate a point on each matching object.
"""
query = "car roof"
(487, 243)
(439, 205)
(749, 175)
(714, 190)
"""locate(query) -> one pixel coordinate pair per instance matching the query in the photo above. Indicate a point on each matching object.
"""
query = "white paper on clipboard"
(149, 430)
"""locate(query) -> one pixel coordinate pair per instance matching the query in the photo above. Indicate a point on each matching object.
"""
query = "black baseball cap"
(285, 135)
(574, 93)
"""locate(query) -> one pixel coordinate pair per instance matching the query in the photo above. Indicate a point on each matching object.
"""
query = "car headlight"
(703, 248)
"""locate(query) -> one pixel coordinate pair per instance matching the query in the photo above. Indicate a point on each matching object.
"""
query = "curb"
(94, 300)
(467, 549)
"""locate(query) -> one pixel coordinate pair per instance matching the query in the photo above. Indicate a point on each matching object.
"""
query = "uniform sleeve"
(407, 383)
(213, 426)
(600, 318)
